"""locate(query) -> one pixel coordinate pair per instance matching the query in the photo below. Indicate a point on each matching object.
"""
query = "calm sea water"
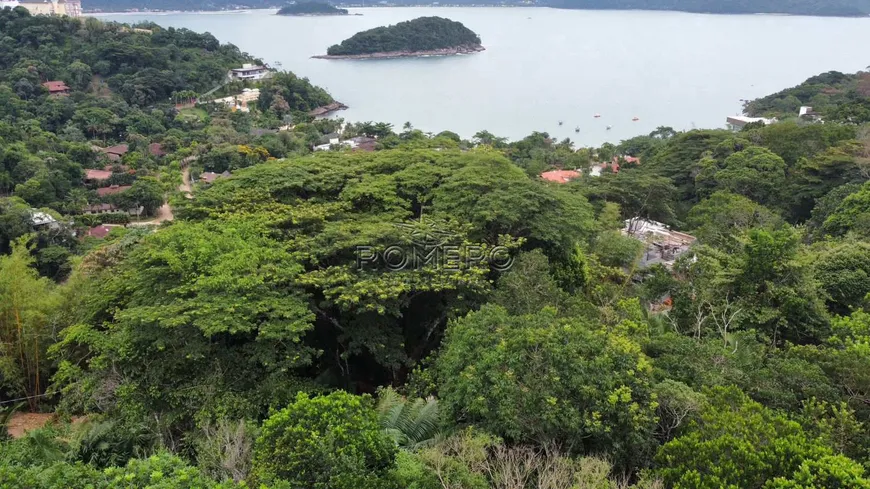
(545, 65)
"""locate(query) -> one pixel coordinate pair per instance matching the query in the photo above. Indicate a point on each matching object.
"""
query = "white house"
(808, 113)
(250, 72)
(736, 122)
(240, 102)
(39, 218)
(332, 141)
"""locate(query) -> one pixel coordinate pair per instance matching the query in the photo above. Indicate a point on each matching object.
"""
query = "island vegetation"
(247, 342)
(418, 37)
(833, 96)
(311, 8)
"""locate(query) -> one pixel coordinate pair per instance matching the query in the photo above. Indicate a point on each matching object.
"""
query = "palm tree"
(412, 424)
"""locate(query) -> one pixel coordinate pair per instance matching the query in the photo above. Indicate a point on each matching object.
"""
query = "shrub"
(325, 442)
(737, 443)
(110, 443)
(541, 378)
(224, 451)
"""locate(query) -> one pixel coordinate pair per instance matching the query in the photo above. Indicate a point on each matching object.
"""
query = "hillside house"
(240, 102)
(112, 190)
(209, 177)
(109, 208)
(737, 122)
(39, 219)
(156, 149)
(56, 88)
(250, 72)
(363, 143)
(100, 231)
(98, 176)
(598, 168)
(359, 143)
(115, 153)
(663, 245)
(560, 176)
(807, 113)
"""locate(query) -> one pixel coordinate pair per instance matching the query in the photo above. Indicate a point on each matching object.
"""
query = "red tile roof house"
(56, 88)
(560, 176)
(116, 152)
(99, 209)
(99, 231)
(105, 208)
(119, 168)
(156, 149)
(114, 189)
(98, 175)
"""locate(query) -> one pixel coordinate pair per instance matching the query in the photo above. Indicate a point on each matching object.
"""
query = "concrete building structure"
(71, 8)
(663, 245)
(250, 72)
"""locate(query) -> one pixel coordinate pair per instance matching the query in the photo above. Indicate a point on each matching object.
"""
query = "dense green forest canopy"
(421, 34)
(125, 85)
(423, 311)
(311, 8)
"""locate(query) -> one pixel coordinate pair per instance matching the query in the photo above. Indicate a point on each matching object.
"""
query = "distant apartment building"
(250, 72)
(71, 8)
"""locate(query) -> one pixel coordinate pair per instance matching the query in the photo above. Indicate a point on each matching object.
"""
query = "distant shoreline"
(407, 54)
(317, 15)
(230, 11)
(327, 109)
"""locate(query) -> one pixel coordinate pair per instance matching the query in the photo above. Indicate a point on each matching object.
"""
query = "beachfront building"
(250, 72)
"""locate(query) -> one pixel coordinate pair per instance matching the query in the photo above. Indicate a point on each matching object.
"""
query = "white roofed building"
(736, 122)
(250, 72)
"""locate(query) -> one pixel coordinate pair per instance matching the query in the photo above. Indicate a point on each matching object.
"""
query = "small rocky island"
(426, 36)
(311, 8)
